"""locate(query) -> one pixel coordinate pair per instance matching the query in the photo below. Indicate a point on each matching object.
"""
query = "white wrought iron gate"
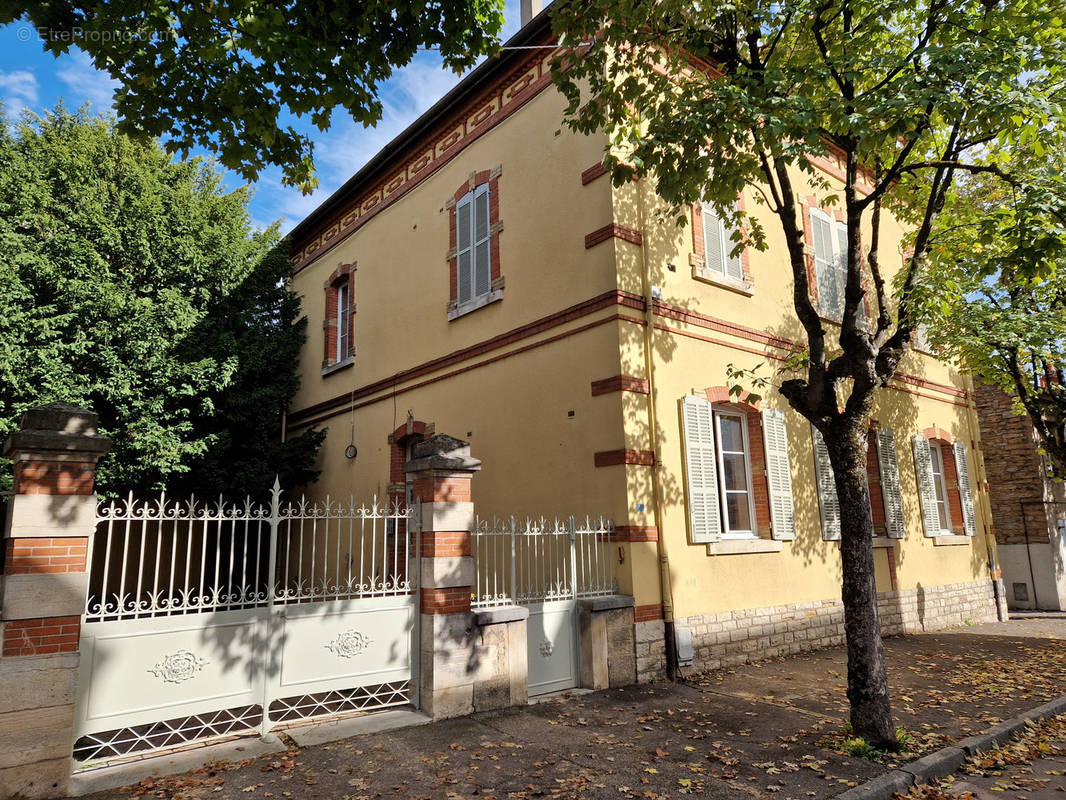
(210, 619)
(546, 566)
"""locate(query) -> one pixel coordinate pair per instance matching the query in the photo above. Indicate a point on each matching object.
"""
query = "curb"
(946, 760)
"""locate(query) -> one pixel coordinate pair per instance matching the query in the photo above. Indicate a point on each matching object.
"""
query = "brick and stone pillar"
(50, 518)
(468, 662)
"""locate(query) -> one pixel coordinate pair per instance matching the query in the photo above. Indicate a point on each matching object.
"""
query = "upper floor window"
(474, 257)
(343, 319)
(337, 326)
(718, 245)
(830, 242)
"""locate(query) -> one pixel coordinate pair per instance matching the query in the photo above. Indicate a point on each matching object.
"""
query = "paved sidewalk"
(772, 729)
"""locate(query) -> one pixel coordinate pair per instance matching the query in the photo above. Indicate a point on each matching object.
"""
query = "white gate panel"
(139, 671)
(211, 620)
(343, 644)
(551, 642)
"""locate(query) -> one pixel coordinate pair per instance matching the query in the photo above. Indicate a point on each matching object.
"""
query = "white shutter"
(778, 474)
(828, 503)
(464, 250)
(713, 248)
(701, 471)
(923, 469)
(717, 245)
(826, 269)
(891, 492)
(962, 472)
(482, 233)
(841, 263)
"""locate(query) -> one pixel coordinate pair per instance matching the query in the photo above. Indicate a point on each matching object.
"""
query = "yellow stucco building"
(482, 277)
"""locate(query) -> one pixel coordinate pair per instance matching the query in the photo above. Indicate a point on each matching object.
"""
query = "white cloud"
(85, 82)
(18, 90)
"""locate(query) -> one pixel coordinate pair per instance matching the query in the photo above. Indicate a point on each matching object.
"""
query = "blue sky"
(32, 79)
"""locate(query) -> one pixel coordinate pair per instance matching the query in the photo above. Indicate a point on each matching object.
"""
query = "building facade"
(482, 277)
(1029, 506)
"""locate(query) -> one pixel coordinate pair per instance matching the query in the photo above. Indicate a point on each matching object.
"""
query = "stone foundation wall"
(651, 650)
(735, 637)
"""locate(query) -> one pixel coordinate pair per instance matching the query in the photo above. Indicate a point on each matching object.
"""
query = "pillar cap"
(442, 452)
(58, 427)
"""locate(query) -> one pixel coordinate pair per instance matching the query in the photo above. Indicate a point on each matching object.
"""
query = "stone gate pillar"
(468, 662)
(50, 519)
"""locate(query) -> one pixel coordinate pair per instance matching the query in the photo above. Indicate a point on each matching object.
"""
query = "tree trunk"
(871, 714)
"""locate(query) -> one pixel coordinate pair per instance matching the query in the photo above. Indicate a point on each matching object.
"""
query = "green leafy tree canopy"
(994, 294)
(230, 77)
(134, 285)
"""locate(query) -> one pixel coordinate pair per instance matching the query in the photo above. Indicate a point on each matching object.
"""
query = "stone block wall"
(649, 634)
(1017, 486)
(735, 637)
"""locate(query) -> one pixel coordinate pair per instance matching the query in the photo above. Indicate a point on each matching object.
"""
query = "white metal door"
(551, 645)
(545, 566)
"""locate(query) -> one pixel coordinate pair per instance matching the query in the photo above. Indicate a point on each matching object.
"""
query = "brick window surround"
(873, 474)
(343, 274)
(837, 215)
(699, 255)
(411, 432)
(951, 476)
(476, 179)
(720, 399)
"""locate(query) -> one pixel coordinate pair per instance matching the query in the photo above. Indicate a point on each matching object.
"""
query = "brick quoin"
(45, 555)
(648, 613)
(621, 383)
(613, 231)
(442, 490)
(612, 458)
(54, 477)
(27, 637)
(446, 601)
(635, 533)
(445, 543)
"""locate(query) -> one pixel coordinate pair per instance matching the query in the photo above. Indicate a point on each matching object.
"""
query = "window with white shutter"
(828, 503)
(923, 470)
(718, 244)
(830, 243)
(472, 252)
(962, 471)
(701, 470)
(778, 474)
(891, 492)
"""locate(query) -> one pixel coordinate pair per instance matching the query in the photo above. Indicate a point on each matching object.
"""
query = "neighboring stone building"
(1028, 506)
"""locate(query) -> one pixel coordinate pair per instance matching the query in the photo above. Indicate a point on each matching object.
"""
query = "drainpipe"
(1029, 552)
(982, 486)
(666, 592)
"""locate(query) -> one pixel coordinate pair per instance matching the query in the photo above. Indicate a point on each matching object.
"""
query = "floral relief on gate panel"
(349, 644)
(179, 667)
